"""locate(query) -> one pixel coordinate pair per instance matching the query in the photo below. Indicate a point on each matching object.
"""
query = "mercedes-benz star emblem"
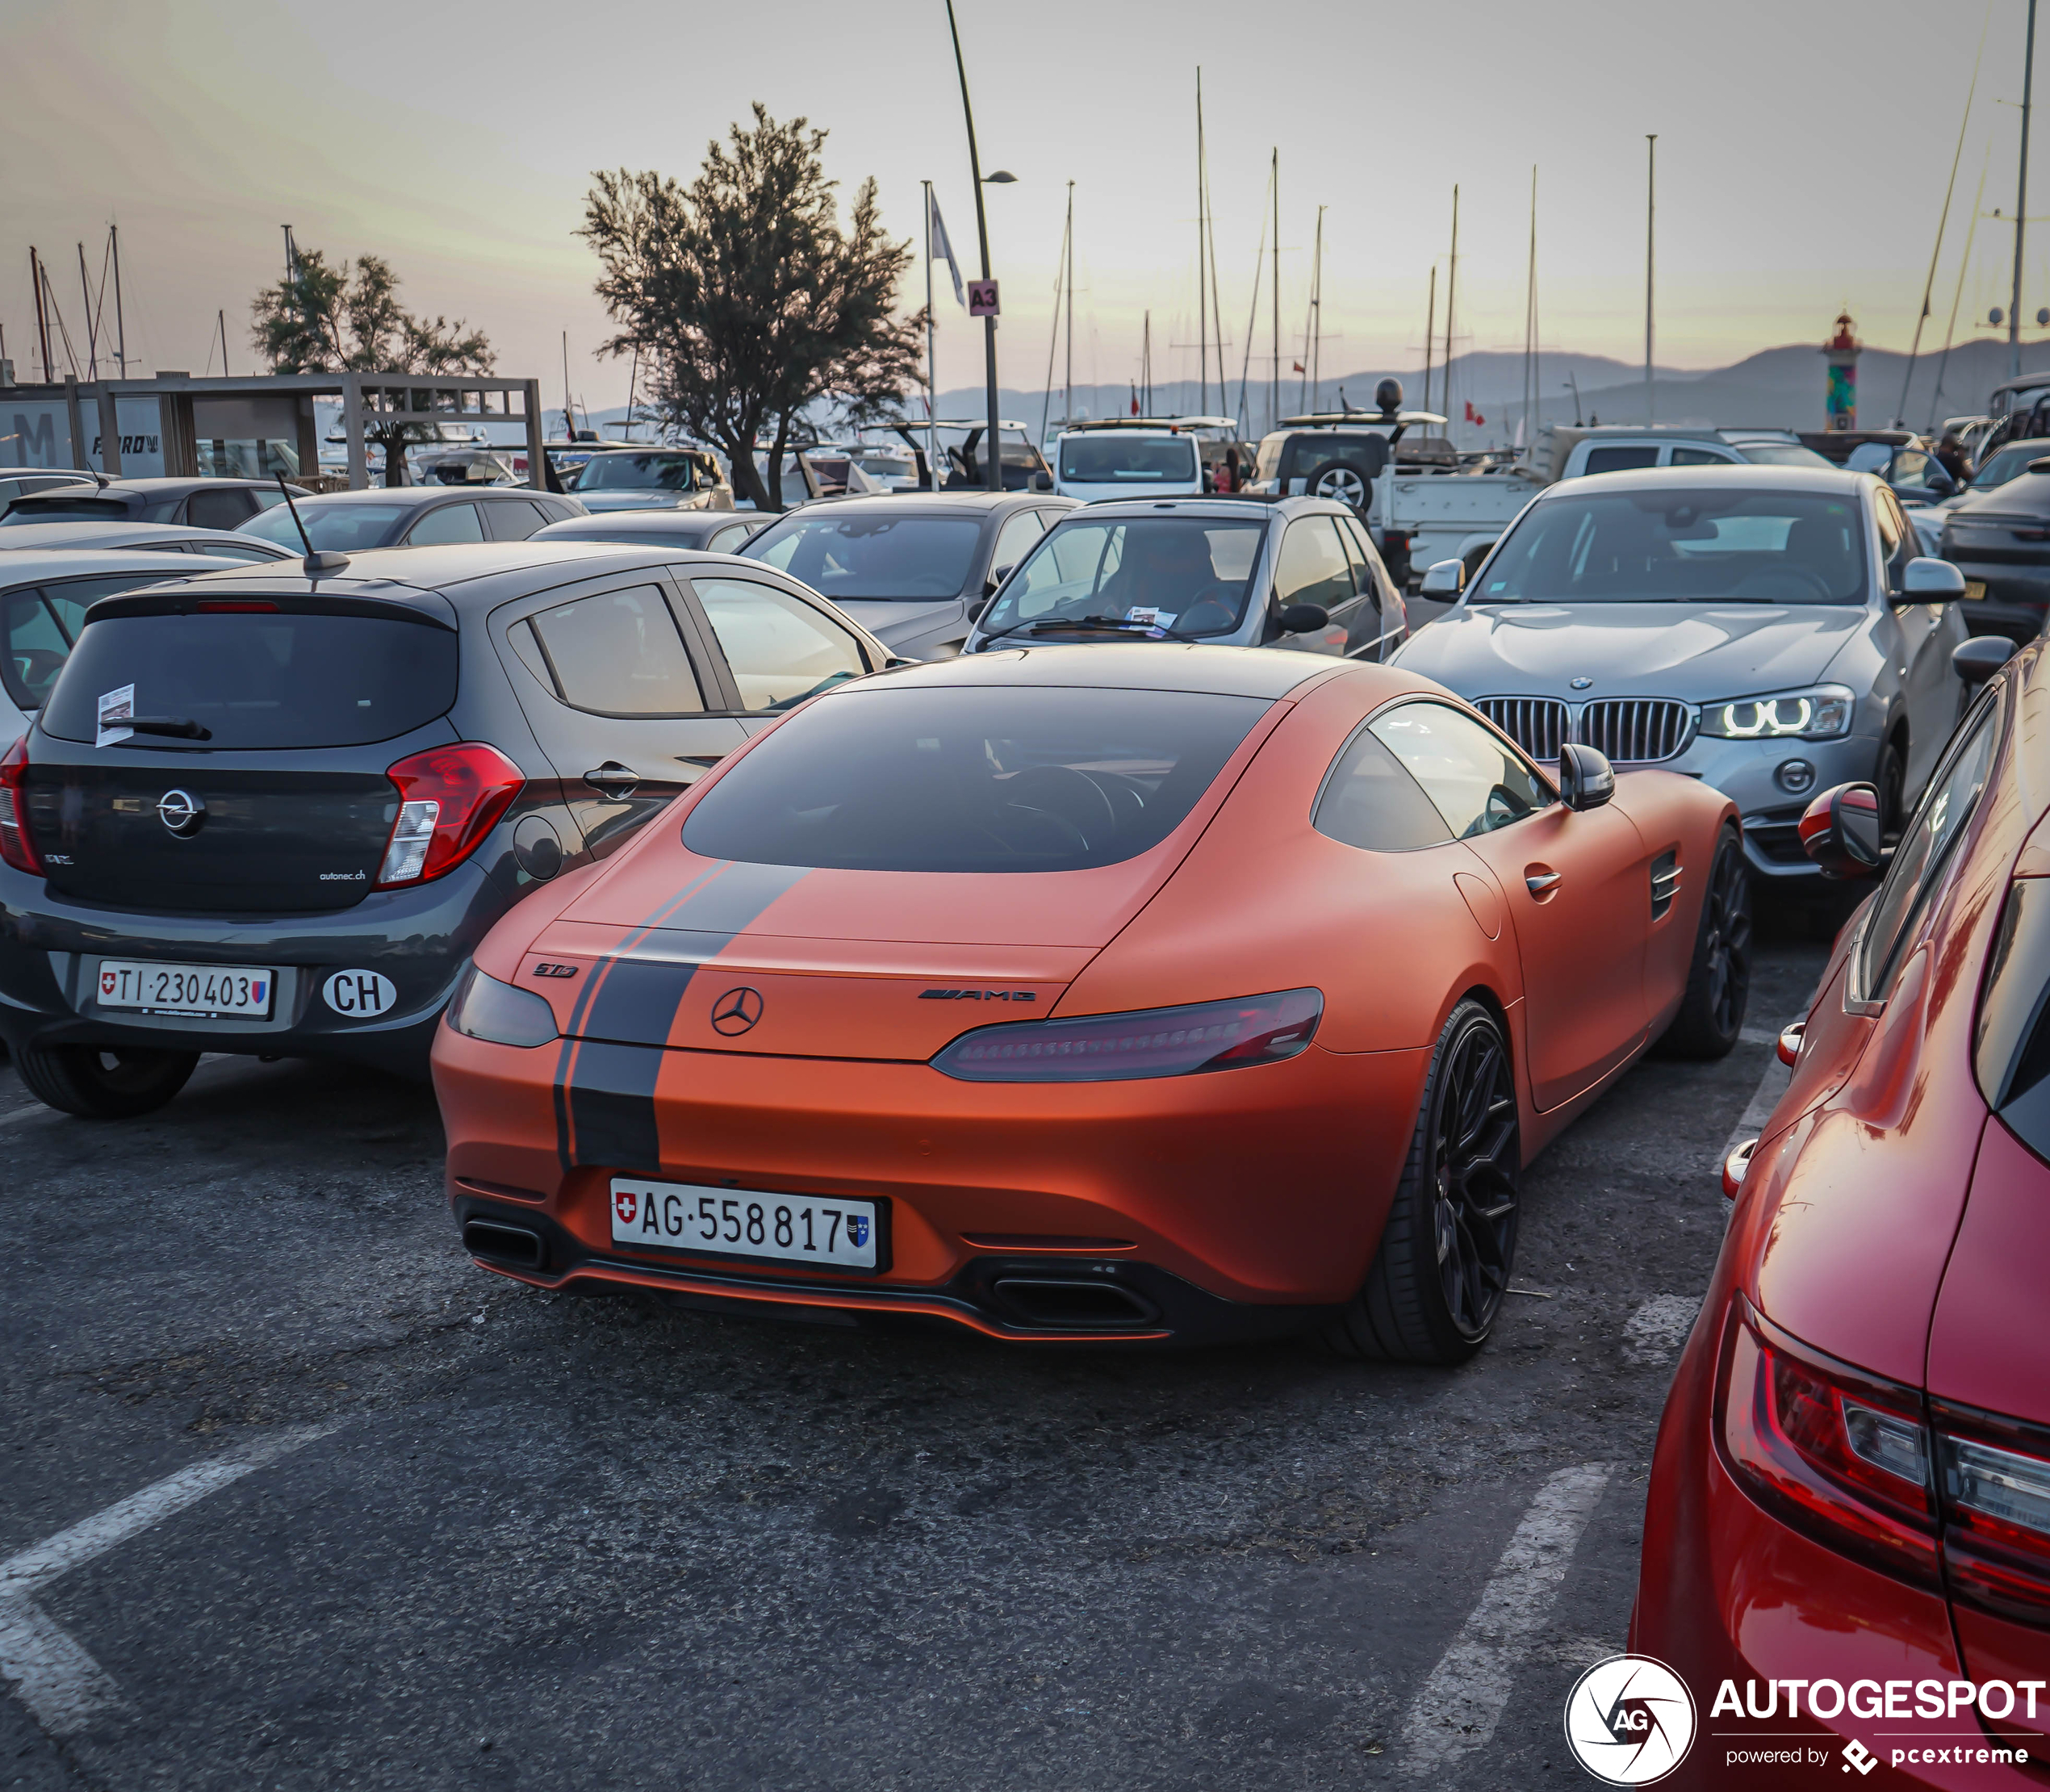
(1582, 683)
(736, 1011)
(180, 811)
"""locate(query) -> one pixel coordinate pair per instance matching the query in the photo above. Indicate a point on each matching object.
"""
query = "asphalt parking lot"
(428, 1529)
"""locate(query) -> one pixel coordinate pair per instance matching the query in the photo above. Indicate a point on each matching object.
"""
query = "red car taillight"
(1996, 1513)
(1833, 1452)
(450, 799)
(17, 846)
(1149, 1042)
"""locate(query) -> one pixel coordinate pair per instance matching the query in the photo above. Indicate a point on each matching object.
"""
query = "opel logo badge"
(1581, 683)
(180, 811)
(736, 1011)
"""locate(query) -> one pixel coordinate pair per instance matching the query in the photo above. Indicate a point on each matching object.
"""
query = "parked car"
(715, 531)
(414, 515)
(1998, 467)
(961, 466)
(200, 503)
(1852, 1475)
(220, 544)
(1999, 540)
(1110, 460)
(1774, 631)
(914, 568)
(642, 478)
(21, 482)
(263, 813)
(1572, 451)
(1297, 572)
(44, 598)
(1227, 903)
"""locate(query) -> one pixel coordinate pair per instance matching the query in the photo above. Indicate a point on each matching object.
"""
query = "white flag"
(942, 250)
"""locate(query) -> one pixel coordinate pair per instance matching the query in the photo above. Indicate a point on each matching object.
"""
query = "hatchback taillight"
(1148, 1042)
(1995, 1489)
(17, 847)
(450, 799)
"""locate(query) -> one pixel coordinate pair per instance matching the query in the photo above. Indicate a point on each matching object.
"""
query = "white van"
(1114, 461)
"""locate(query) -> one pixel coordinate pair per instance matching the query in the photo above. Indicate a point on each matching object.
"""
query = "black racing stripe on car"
(629, 1004)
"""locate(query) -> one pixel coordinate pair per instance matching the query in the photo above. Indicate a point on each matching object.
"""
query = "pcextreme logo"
(1629, 1720)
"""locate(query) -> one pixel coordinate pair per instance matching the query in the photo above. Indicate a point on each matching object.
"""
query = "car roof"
(1817, 479)
(86, 532)
(168, 487)
(1135, 666)
(929, 504)
(1223, 506)
(601, 525)
(412, 494)
(31, 565)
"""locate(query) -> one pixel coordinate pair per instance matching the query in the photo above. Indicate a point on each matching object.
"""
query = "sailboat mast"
(42, 312)
(1451, 285)
(120, 327)
(1053, 336)
(1316, 318)
(1430, 334)
(1274, 383)
(1650, 224)
(2021, 204)
(1146, 361)
(92, 327)
(1068, 240)
(1530, 323)
(1202, 292)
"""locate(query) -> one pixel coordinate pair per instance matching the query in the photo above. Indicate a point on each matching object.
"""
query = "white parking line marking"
(54, 1678)
(1459, 1705)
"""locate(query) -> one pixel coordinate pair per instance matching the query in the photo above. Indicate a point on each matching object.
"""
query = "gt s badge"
(977, 995)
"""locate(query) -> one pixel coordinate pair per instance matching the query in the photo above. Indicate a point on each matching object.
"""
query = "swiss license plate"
(247, 991)
(823, 1230)
(1975, 589)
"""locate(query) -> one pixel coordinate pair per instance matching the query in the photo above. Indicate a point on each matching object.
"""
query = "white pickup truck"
(1424, 501)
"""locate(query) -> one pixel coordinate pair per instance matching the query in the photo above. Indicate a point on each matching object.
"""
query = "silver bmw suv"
(1772, 630)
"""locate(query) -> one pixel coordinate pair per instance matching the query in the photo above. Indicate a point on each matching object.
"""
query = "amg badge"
(546, 970)
(977, 995)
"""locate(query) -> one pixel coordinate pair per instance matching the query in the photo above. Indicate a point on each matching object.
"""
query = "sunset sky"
(1803, 152)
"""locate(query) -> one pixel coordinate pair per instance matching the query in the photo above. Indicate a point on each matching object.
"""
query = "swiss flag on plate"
(106, 982)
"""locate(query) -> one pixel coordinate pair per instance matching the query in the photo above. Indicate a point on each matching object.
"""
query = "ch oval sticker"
(359, 995)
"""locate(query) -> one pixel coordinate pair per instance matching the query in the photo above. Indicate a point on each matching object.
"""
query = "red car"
(1847, 1536)
(1129, 994)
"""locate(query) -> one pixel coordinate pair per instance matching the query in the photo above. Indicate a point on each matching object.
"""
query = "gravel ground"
(523, 1540)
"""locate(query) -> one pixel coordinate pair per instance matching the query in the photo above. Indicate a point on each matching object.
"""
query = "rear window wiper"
(178, 727)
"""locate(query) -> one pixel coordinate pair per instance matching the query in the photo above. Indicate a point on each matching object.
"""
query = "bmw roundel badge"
(1581, 683)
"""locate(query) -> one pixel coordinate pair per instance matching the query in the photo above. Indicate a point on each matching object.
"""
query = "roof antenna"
(316, 563)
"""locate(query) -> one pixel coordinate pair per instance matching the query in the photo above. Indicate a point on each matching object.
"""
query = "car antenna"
(316, 563)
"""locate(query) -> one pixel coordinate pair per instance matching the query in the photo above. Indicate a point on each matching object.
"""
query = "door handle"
(613, 776)
(1540, 883)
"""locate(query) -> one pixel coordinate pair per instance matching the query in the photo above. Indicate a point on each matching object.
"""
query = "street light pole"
(993, 453)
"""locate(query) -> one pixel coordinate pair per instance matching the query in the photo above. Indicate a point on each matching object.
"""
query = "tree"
(746, 297)
(326, 320)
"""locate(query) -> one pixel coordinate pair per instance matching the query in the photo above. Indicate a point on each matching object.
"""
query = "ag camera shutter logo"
(1629, 1720)
(359, 995)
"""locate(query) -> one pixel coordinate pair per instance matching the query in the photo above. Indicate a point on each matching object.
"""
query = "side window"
(229, 509)
(1477, 783)
(1314, 568)
(780, 649)
(615, 654)
(1919, 860)
(1620, 460)
(37, 646)
(729, 540)
(1898, 544)
(514, 519)
(1359, 552)
(1369, 801)
(1014, 540)
(1697, 457)
(452, 522)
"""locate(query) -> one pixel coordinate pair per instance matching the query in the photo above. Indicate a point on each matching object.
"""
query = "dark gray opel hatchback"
(270, 813)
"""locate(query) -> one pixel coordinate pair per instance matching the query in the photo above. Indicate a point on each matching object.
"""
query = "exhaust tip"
(503, 1244)
(1072, 1304)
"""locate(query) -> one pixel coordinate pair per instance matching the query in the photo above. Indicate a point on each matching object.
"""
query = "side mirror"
(1446, 579)
(975, 609)
(1586, 780)
(1042, 481)
(1839, 832)
(1977, 660)
(1304, 618)
(997, 575)
(1927, 581)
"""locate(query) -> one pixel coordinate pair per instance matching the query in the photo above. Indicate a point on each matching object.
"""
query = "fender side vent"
(1665, 883)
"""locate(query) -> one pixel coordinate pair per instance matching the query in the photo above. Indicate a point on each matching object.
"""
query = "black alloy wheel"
(1889, 779)
(1711, 1017)
(104, 1081)
(1438, 1280)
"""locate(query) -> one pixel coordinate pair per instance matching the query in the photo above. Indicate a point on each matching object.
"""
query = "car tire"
(1344, 484)
(1437, 1281)
(1889, 779)
(104, 1082)
(1711, 1017)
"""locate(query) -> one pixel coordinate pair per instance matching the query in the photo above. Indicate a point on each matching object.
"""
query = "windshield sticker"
(116, 709)
(1154, 618)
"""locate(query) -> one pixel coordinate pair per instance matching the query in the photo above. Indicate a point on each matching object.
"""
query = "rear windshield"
(638, 473)
(1012, 779)
(42, 509)
(1093, 576)
(331, 528)
(1779, 454)
(259, 681)
(1109, 459)
(1682, 544)
(857, 556)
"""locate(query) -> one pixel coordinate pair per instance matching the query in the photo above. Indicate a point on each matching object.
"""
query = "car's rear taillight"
(1149, 1042)
(17, 847)
(450, 799)
(1833, 1451)
(1996, 1488)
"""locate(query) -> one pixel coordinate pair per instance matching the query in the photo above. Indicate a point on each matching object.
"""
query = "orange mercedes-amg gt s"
(1074, 993)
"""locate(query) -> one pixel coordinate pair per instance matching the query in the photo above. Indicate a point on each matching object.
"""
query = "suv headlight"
(1821, 713)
